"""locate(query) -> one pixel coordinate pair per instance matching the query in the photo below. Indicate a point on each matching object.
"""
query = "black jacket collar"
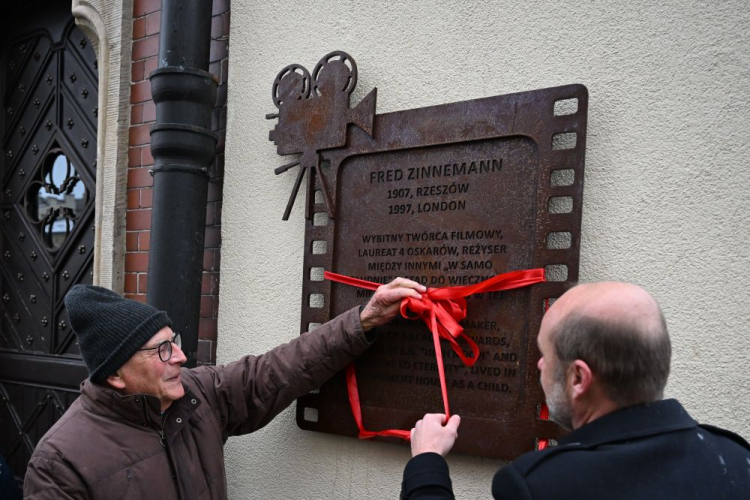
(632, 422)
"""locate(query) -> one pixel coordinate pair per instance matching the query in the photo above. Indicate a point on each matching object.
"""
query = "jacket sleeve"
(50, 478)
(426, 477)
(250, 392)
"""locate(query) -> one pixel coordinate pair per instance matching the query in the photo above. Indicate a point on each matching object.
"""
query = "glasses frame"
(165, 346)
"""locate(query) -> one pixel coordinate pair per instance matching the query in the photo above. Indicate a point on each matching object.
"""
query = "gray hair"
(631, 361)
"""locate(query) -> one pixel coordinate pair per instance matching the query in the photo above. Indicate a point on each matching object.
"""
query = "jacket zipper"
(163, 442)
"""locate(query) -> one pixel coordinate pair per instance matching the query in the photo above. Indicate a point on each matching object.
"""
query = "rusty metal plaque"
(446, 195)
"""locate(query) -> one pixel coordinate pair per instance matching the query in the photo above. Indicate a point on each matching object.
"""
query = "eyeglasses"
(165, 348)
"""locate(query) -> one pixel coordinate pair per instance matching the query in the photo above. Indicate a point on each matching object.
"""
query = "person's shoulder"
(512, 480)
(727, 438)
(528, 462)
(204, 380)
(66, 431)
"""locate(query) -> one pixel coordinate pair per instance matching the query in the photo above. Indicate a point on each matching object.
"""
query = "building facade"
(664, 203)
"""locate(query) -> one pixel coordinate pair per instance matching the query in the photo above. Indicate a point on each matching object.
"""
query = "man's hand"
(384, 305)
(430, 435)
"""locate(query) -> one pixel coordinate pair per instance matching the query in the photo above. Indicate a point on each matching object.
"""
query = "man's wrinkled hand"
(430, 435)
(385, 303)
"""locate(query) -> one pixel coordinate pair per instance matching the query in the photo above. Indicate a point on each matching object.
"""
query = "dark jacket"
(8, 487)
(652, 451)
(112, 446)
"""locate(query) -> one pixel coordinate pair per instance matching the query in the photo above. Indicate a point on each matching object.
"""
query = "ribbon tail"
(356, 406)
(351, 385)
(439, 358)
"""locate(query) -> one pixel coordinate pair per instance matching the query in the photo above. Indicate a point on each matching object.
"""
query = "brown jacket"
(112, 446)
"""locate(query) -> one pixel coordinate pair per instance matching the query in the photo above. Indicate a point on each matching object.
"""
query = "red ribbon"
(441, 309)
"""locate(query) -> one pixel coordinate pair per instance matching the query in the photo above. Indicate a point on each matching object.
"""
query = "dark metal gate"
(49, 88)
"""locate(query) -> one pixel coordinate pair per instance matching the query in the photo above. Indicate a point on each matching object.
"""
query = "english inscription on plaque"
(449, 195)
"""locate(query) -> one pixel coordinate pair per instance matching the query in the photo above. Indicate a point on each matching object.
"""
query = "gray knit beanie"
(110, 329)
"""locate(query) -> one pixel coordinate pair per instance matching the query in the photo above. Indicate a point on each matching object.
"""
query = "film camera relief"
(447, 195)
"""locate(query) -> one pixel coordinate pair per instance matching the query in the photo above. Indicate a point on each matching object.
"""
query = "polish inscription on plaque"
(449, 195)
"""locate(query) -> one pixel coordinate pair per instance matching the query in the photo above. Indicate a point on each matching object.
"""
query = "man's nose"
(540, 363)
(178, 357)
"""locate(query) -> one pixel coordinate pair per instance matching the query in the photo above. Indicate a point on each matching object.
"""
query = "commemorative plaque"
(449, 196)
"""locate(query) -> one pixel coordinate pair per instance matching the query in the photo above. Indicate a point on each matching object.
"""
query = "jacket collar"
(139, 409)
(633, 422)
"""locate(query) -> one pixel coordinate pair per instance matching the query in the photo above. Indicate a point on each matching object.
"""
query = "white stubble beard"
(560, 409)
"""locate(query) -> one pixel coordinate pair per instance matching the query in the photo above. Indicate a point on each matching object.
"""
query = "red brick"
(219, 7)
(218, 167)
(143, 7)
(139, 298)
(140, 92)
(208, 260)
(207, 306)
(217, 214)
(213, 237)
(134, 157)
(137, 219)
(210, 214)
(215, 69)
(207, 329)
(149, 65)
(222, 125)
(136, 114)
(211, 259)
(143, 283)
(149, 111)
(225, 18)
(140, 134)
(136, 262)
(218, 50)
(137, 71)
(214, 189)
(153, 22)
(221, 95)
(210, 283)
(145, 47)
(134, 198)
(147, 198)
(139, 28)
(144, 241)
(131, 283)
(216, 306)
(221, 142)
(224, 71)
(139, 177)
(131, 241)
(206, 352)
(217, 26)
(146, 158)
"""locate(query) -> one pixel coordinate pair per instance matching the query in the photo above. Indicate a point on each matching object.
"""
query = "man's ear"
(116, 382)
(579, 379)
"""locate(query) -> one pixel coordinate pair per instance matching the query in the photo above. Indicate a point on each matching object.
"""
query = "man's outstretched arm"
(250, 392)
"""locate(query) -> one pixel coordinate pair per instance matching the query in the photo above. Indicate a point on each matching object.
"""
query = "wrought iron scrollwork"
(56, 199)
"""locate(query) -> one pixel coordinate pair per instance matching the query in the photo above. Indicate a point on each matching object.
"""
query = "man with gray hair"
(605, 355)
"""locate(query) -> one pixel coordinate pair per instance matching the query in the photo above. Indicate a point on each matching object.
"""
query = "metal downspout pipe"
(183, 147)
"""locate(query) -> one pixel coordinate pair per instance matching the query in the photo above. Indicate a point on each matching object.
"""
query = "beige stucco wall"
(665, 197)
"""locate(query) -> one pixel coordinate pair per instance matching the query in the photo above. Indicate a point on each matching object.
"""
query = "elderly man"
(145, 428)
(605, 361)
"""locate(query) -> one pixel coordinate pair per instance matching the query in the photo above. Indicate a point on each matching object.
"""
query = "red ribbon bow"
(441, 309)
